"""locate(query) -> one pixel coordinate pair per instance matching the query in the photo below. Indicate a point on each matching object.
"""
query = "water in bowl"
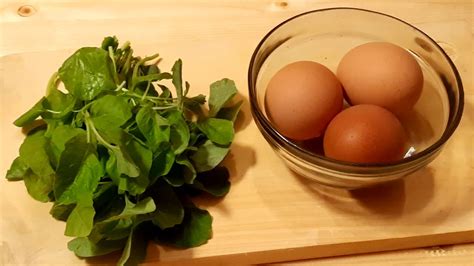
(424, 125)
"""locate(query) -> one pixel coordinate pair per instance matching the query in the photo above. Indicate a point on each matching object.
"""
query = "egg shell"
(302, 98)
(383, 74)
(365, 134)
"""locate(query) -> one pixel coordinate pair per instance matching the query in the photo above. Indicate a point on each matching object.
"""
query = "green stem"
(146, 91)
(53, 83)
(120, 87)
(90, 124)
(135, 69)
(88, 132)
(163, 107)
(52, 111)
(127, 64)
(157, 98)
(112, 57)
(154, 77)
(83, 107)
(125, 45)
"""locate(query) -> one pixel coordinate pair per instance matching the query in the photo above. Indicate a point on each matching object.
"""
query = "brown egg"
(365, 134)
(383, 74)
(302, 98)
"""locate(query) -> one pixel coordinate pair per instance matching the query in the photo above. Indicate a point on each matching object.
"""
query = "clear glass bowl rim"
(378, 167)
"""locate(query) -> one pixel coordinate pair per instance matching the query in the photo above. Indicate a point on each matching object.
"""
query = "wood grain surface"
(270, 215)
(444, 255)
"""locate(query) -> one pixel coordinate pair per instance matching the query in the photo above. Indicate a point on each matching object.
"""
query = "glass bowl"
(325, 36)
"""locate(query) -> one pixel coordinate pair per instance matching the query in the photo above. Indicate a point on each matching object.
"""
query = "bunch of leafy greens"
(120, 155)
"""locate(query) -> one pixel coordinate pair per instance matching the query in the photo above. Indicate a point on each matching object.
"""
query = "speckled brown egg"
(365, 134)
(302, 98)
(383, 74)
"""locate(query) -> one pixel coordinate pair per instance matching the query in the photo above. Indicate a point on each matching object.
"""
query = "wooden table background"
(29, 27)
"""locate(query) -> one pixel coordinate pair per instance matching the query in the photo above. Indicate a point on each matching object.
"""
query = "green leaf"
(196, 136)
(17, 170)
(198, 99)
(78, 172)
(208, 156)
(126, 250)
(30, 115)
(57, 101)
(134, 251)
(110, 41)
(194, 104)
(154, 127)
(195, 229)
(120, 163)
(182, 172)
(34, 153)
(78, 120)
(84, 247)
(61, 212)
(110, 111)
(162, 163)
(85, 182)
(81, 219)
(169, 211)
(53, 83)
(118, 229)
(142, 158)
(179, 134)
(131, 209)
(39, 187)
(215, 182)
(187, 86)
(51, 125)
(116, 221)
(154, 77)
(87, 73)
(153, 69)
(231, 112)
(107, 202)
(166, 93)
(118, 226)
(60, 136)
(221, 92)
(220, 131)
(178, 79)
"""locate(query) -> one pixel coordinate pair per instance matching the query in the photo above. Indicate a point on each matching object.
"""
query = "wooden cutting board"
(270, 214)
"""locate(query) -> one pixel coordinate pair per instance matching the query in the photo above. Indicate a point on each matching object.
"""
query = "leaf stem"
(125, 45)
(88, 132)
(90, 124)
(137, 65)
(112, 57)
(121, 86)
(163, 107)
(127, 64)
(154, 77)
(131, 94)
(52, 111)
(146, 91)
(83, 107)
(53, 83)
